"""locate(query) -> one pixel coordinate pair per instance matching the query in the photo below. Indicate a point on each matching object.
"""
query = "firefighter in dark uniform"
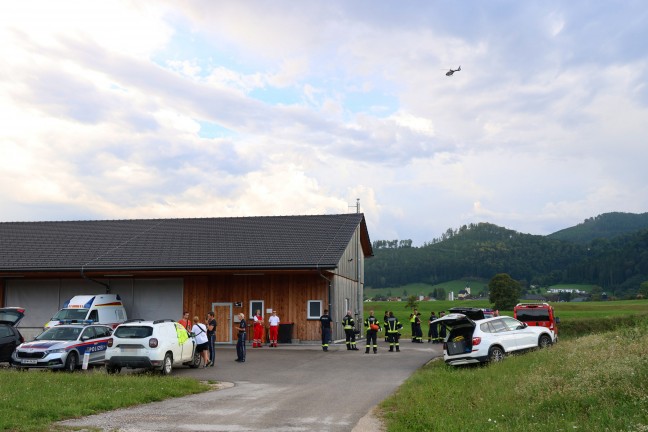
(393, 332)
(349, 331)
(326, 320)
(442, 329)
(418, 337)
(373, 326)
(412, 319)
(433, 331)
(385, 323)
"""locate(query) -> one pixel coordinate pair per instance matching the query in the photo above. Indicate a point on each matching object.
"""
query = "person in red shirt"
(258, 330)
(185, 321)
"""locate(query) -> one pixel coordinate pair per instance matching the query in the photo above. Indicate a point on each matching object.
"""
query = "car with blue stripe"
(64, 347)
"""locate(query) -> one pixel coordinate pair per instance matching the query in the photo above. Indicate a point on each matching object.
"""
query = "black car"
(471, 312)
(10, 337)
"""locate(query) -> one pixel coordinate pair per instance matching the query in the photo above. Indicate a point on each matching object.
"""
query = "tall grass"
(31, 401)
(594, 383)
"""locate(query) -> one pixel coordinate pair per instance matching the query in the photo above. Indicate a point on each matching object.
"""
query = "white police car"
(64, 347)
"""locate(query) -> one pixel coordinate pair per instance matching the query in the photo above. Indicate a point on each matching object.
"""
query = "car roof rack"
(134, 320)
(163, 320)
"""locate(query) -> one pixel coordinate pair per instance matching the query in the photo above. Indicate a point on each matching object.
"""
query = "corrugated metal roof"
(271, 242)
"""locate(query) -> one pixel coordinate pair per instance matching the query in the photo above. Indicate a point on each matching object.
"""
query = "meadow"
(595, 382)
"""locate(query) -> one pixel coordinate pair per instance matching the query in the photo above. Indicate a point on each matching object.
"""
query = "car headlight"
(55, 351)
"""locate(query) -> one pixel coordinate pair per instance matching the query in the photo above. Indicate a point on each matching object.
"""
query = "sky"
(137, 110)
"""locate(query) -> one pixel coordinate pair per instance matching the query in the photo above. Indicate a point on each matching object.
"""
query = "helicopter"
(451, 71)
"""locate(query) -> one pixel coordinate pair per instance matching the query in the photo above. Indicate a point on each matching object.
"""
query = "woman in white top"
(202, 346)
(274, 328)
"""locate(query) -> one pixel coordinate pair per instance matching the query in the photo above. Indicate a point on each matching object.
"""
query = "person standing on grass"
(274, 328)
(241, 328)
(211, 336)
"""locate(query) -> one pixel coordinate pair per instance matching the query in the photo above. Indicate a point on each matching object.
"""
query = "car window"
(498, 326)
(94, 315)
(512, 323)
(534, 314)
(89, 333)
(4, 331)
(70, 314)
(60, 333)
(133, 332)
(103, 331)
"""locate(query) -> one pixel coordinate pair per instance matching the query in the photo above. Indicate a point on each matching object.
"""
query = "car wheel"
(71, 362)
(495, 354)
(196, 360)
(167, 364)
(113, 369)
(544, 341)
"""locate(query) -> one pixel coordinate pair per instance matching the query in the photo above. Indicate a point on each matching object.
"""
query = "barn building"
(296, 265)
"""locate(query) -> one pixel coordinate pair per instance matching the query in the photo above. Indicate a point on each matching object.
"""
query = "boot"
(391, 349)
(397, 349)
(367, 351)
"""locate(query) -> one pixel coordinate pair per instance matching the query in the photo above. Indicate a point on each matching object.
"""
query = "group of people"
(390, 324)
(205, 334)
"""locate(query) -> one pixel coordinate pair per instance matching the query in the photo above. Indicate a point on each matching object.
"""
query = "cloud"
(130, 110)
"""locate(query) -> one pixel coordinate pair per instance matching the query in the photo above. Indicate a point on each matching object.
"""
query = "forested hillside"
(482, 250)
(604, 226)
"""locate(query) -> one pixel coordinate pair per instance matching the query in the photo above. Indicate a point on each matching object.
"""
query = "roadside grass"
(33, 400)
(597, 382)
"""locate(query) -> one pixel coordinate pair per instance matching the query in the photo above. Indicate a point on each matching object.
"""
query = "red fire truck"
(537, 314)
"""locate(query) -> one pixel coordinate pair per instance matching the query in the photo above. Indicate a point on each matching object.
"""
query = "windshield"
(535, 314)
(133, 332)
(60, 333)
(70, 314)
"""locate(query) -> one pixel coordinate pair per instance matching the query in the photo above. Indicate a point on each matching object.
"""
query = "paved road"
(290, 388)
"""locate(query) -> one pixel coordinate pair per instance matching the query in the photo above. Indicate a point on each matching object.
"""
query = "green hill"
(604, 226)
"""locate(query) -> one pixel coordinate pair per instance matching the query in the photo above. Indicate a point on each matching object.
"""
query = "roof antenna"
(357, 206)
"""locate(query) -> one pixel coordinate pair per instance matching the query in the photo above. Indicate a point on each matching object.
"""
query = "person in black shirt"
(240, 343)
(211, 336)
(325, 320)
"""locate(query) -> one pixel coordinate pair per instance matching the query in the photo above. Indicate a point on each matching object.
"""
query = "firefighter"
(433, 331)
(393, 332)
(412, 319)
(418, 333)
(373, 326)
(442, 329)
(349, 331)
(385, 324)
(325, 321)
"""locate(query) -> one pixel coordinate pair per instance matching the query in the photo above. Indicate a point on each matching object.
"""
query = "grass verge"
(597, 382)
(32, 401)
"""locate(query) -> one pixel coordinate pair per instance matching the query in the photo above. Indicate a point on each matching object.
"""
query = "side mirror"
(557, 320)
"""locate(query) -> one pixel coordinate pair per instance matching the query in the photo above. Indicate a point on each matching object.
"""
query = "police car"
(64, 347)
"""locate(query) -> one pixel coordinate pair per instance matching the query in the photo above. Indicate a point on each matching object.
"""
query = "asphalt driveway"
(289, 388)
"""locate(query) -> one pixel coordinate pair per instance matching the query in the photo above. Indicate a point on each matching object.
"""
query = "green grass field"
(573, 386)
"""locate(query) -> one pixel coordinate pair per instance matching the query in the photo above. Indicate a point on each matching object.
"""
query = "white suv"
(161, 344)
(480, 341)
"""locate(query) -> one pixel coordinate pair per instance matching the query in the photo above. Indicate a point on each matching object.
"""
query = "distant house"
(296, 265)
(534, 297)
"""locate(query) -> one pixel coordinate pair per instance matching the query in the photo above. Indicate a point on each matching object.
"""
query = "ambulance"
(99, 309)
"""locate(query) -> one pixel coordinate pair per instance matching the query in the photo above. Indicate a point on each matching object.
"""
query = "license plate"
(30, 361)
